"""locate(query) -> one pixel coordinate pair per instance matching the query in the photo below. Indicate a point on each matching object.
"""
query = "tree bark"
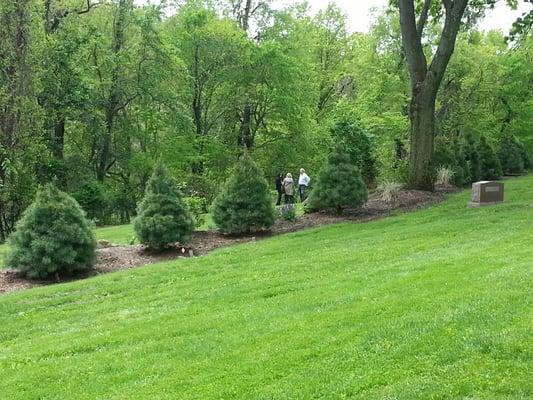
(115, 92)
(246, 127)
(425, 82)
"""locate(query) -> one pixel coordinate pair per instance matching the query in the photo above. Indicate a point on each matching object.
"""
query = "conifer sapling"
(163, 216)
(244, 204)
(53, 237)
(339, 185)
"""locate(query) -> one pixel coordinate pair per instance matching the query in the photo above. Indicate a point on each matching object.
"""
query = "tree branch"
(454, 13)
(422, 20)
(414, 53)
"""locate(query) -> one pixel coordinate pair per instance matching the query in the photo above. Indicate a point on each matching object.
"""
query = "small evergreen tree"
(462, 174)
(511, 155)
(244, 204)
(525, 155)
(52, 237)
(339, 184)
(489, 162)
(443, 155)
(358, 144)
(472, 158)
(163, 216)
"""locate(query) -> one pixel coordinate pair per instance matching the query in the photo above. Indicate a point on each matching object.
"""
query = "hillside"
(430, 304)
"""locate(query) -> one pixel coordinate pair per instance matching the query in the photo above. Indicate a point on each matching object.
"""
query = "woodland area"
(94, 93)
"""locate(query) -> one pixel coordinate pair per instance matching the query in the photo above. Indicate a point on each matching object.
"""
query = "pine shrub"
(52, 237)
(244, 205)
(358, 144)
(462, 173)
(339, 185)
(489, 162)
(472, 157)
(512, 155)
(163, 216)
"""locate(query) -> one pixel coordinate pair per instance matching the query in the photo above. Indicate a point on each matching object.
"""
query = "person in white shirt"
(303, 183)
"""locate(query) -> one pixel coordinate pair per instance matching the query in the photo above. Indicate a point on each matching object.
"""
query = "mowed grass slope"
(435, 304)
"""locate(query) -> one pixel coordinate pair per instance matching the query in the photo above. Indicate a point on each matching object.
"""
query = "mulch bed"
(114, 258)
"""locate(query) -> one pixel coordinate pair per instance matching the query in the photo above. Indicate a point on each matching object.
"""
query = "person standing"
(279, 188)
(303, 183)
(288, 188)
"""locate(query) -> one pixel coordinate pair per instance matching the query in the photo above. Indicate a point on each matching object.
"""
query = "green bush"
(444, 155)
(92, 197)
(339, 184)
(472, 157)
(489, 162)
(163, 216)
(461, 171)
(513, 156)
(287, 212)
(358, 144)
(525, 156)
(244, 205)
(198, 207)
(52, 237)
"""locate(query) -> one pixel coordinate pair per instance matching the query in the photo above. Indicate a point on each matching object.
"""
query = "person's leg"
(302, 192)
(278, 202)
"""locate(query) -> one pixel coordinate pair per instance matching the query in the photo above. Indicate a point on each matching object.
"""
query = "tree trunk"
(59, 138)
(425, 81)
(115, 92)
(422, 117)
(246, 127)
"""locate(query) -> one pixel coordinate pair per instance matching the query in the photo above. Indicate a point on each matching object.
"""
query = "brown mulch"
(113, 258)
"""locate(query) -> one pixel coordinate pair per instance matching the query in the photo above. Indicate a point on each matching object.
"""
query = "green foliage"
(52, 237)
(461, 175)
(198, 207)
(472, 158)
(92, 197)
(358, 144)
(163, 215)
(339, 184)
(450, 154)
(489, 162)
(244, 205)
(512, 155)
(287, 212)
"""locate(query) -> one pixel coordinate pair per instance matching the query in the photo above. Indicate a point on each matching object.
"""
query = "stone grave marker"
(485, 193)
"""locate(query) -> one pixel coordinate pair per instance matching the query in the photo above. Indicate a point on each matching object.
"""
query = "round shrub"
(52, 237)
(339, 185)
(244, 204)
(163, 217)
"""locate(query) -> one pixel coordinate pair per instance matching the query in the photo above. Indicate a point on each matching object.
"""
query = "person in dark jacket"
(279, 188)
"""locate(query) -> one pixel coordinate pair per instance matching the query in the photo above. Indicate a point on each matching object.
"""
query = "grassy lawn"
(435, 304)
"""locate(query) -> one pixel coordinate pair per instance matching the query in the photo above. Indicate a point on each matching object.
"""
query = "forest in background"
(92, 94)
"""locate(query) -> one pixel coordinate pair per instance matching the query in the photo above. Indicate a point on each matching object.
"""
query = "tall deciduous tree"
(426, 79)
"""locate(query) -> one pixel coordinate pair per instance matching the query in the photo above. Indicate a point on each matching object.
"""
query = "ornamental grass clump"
(52, 238)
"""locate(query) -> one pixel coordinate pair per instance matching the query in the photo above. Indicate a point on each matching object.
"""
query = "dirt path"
(115, 258)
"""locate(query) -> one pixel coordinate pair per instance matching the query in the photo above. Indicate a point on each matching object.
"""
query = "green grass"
(435, 304)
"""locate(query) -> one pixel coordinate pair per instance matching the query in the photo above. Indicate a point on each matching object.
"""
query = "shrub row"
(473, 159)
